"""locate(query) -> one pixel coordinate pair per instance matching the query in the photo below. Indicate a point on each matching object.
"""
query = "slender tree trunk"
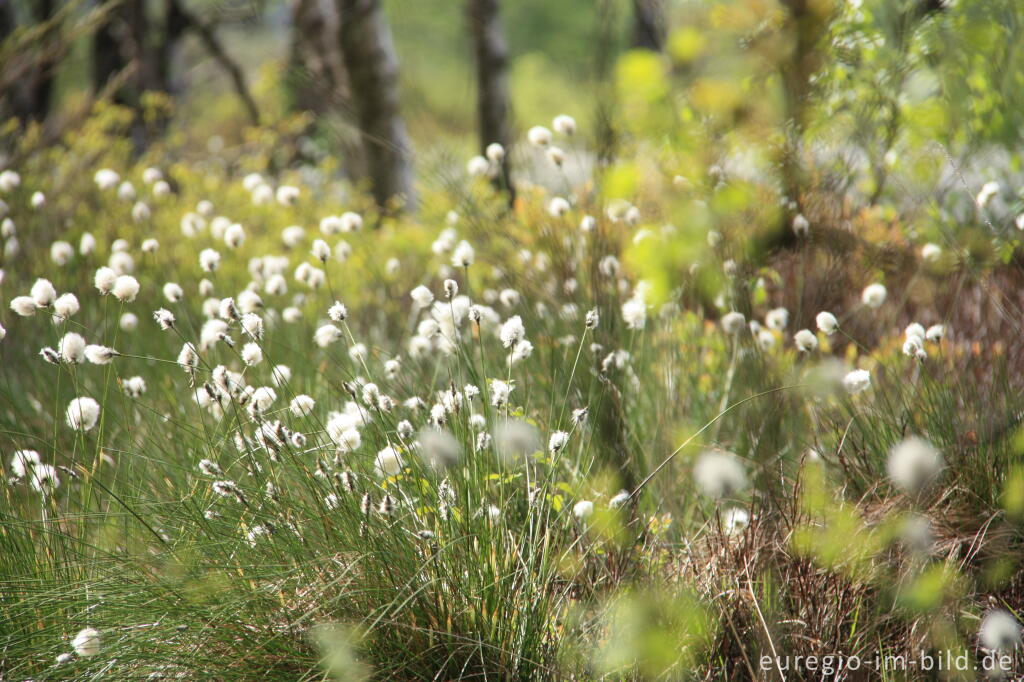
(111, 52)
(372, 65)
(317, 80)
(493, 101)
(13, 100)
(41, 87)
(648, 25)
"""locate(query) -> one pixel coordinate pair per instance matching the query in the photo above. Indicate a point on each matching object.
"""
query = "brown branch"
(217, 51)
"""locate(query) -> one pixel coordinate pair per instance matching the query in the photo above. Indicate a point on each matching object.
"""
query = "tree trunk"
(493, 101)
(648, 25)
(372, 65)
(112, 50)
(41, 86)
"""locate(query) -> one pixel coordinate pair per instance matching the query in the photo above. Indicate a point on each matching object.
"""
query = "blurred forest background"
(199, 68)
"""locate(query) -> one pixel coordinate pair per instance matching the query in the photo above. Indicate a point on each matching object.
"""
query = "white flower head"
(463, 255)
(126, 288)
(87, 642)
(539, 136)
(874, 295)
(856, 381)
(733, 322)
(583, 510)
(83, 413)
(495, 152)
(913, 464)
(827, 322)
(337, 312)
(564, 125)
(719, 474)
(43, 293)
(634, 313)
(512, 331)
(252, 354)
(72, 348)
(422, 296)
(805, 340)
(65, 306)
(326, 335)
(999, 631)
(388, 462)
(777, 319)
(22, 462)
(557, 442)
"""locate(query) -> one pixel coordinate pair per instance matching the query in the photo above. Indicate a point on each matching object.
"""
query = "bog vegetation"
(717, 369)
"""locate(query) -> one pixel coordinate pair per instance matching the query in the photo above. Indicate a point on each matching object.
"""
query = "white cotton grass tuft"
(22, 463)
(856, 381)
(129, 322)
(805, 340)
(43, 293)
(100, 355)
(126, 288)
(72, 348)
(719, 474)
(777, 319)
(935, 333)
(337, 312)
(874, 295)
(999, 631)
(422, 296)
(931, 253)
(65, 306)
(252, 354)
(83, 413)
(563, 124)
(438, 448)
(557, 442)
(735, 520)
(827, 322)
(463, 256)
(326, 334)
(913, 464)
(539, 136)
(104, 280)
(583, 510)
(87, 642)
(733, 322)
(302, 405)
(388, 462)
(512, 331)
(634, 313)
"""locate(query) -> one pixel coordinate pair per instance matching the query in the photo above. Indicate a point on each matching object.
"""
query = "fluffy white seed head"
(83, 413)
(733, 322)
(72, 348)
(422, 296)
(583, 510)
(43, 293)
(913, 464)
(856, 381)
(719, 474)
(87, 642)
(564, 125)
(805, 340)
(874, 295)
(826, 322)
(999, 631)
(126, 288)
(65, 306)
